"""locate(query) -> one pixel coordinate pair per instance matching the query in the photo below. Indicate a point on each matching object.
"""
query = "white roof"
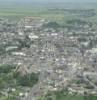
(33, 37)
(54, 34)
(28, 26)
(19, 53)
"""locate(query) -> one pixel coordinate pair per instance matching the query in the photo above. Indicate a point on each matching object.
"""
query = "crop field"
(21, 12)
(18, 12)
(65, 96)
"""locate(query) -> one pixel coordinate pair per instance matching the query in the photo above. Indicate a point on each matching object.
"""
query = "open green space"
(44, 11)
(63, 95)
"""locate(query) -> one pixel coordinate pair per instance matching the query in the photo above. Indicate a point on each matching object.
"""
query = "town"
(63, 57)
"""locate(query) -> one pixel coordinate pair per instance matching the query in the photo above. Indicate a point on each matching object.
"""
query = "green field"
(63, 95)
(35, 12)
(20, 11)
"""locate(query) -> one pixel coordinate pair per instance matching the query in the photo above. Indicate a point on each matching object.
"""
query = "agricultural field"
(63, 95)
(54, 12)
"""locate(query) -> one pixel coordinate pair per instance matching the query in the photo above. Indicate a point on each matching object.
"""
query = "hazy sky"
(67, 0)
(49, 0)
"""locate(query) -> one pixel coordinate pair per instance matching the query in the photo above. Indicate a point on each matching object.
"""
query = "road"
(36, 90)
(91, 83)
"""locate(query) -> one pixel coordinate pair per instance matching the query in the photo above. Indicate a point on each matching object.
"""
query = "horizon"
(36, 1)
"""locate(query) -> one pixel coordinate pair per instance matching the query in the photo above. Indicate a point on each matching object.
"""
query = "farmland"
(51, 12)
(63, 95)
